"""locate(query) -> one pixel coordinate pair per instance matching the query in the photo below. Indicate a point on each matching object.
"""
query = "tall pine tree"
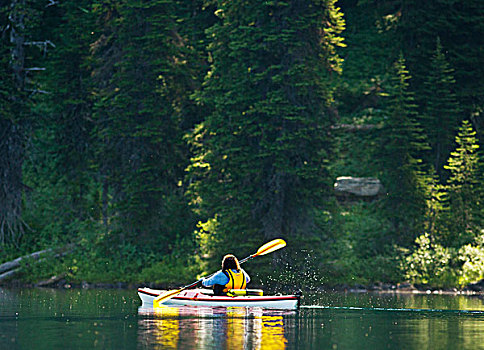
(441, 109)
(12, 142)
(458, 24)
(262, 153)
(17, 22)
(465, 189)
(142, 84)
(60, 163)
(402, 172)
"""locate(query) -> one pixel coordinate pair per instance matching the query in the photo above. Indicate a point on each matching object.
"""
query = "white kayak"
(205, 297)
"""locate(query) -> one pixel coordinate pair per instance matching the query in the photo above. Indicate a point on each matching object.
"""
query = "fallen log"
(51, 281)
(9, 265)
(9, 274)
(10, 268)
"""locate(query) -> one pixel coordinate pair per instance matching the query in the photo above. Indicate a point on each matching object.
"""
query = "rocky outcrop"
(358, 186)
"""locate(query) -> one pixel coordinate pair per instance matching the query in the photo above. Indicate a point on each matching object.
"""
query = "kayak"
(205, 297)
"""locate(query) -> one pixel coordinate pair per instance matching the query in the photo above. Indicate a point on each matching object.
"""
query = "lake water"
(113, 319)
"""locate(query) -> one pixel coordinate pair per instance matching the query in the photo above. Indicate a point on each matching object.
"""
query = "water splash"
(292, 271)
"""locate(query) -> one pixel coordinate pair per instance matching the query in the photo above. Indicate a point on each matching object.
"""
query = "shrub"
(429, 264)
(437, 266)
(173, 269)
(472, 259)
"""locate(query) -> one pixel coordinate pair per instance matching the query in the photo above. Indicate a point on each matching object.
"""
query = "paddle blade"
(160, 299)
(270, 247)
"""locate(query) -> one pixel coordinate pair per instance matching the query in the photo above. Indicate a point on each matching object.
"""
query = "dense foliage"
(151, 137)
(261, 155)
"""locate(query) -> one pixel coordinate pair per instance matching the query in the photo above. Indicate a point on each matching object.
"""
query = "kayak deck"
(205, 297)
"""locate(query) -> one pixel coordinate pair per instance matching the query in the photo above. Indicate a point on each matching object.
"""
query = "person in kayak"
(232, 276)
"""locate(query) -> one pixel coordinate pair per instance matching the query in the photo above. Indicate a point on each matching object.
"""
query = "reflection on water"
(327, 321)
(272, 333)
(162, 331)
(111, 319)
(215, 328)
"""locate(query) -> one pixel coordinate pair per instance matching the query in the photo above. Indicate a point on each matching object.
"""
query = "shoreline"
(476, 289)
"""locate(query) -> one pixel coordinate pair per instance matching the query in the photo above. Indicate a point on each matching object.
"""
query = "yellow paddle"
(265, 249)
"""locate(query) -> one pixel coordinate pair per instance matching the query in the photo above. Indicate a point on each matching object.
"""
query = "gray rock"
(358, 186)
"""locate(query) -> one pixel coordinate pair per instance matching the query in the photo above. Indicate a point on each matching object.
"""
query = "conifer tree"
(436, 196)
(402, 171)
(142, 85)
(11, 145)
(261, 162)
(59, 167)
(465, 189)
(441, 109)
(458, 25)
(15, 118)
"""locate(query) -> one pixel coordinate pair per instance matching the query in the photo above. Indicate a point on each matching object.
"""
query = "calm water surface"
(113, 319)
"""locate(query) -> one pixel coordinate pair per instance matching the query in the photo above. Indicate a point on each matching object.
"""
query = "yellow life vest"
(236, 280)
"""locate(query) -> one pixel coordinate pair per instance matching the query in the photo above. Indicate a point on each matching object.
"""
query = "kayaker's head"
(230, 262)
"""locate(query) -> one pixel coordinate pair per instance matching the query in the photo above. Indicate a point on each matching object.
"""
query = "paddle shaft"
(246, 259)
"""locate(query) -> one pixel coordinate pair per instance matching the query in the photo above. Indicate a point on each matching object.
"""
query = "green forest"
(141, 140)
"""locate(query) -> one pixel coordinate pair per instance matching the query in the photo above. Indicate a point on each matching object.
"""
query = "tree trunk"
(12, 134)
(12, 151)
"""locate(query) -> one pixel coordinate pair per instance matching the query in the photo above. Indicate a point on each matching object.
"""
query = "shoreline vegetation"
(10, 269)
(144, 140)
(57, 282)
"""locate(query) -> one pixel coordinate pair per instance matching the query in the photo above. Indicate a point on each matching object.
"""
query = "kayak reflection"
(212, 328)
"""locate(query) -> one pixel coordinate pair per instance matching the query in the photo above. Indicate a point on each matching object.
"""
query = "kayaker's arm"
(217, 278)
(220, 278)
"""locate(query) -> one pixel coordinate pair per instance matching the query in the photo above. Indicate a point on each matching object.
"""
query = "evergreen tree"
(15, 120)
(368, 55)
(262, 153)
(465, 190)
(11, 146)
(436, 207)
(193, 19)
(441, 109)
(59, 166)
(141, 85)
(458, 25)
(368, 58)
(402, 172)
